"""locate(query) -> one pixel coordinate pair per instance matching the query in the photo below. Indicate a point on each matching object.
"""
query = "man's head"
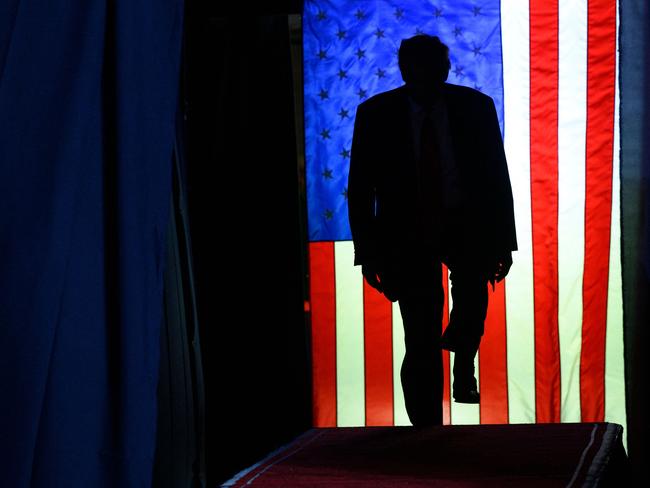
(424, 63)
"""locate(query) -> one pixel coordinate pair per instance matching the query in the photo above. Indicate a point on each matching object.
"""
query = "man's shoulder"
(383, 100)
(466, 94)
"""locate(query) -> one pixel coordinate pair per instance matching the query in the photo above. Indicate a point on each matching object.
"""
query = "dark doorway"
(244, 202)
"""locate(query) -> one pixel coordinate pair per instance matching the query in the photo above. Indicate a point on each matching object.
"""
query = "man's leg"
(466, 322)
(420, 302)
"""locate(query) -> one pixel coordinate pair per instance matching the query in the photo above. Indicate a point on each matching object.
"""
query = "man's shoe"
(467, 396)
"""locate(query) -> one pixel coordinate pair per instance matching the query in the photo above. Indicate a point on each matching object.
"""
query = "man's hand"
(371, 274)
(501, 267)
(383, 280)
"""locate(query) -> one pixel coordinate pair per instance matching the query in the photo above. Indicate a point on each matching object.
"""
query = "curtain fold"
(635, 215)
(88, 95)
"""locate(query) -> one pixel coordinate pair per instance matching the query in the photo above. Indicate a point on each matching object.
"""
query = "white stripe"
(572, 126)
(399, 350)
(350, 380)
(614, 358)
(519, 284)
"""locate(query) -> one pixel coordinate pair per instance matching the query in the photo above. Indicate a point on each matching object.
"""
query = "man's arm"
(501, 197)
(361, 190)
(361, 199)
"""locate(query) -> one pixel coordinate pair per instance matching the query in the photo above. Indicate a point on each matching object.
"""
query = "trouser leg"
(467, 318)
(421, 373)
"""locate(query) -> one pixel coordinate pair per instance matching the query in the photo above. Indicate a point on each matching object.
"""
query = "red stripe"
(378, 346)
(492, 360)
(323, 332)
(446, 393)
(601, 72)
(544, 203)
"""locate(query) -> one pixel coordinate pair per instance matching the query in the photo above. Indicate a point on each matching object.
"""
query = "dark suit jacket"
(382, 191)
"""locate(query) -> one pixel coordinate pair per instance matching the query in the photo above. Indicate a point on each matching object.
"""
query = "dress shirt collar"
(421, 111)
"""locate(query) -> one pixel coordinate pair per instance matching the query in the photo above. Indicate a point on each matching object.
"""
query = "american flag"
(553, 346)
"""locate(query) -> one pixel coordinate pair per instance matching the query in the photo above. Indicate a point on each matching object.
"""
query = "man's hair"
(423, 53)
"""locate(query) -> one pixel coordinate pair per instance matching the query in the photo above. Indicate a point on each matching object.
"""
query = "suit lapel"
(404, 132)
(451, 113)
(454, 117)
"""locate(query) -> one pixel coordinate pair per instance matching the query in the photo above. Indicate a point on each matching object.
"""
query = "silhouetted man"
(429, 184)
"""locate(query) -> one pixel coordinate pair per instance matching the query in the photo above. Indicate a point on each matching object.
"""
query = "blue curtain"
(634, 77)
(88, 92)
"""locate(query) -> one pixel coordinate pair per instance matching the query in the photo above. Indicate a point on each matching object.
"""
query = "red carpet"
(535, 455)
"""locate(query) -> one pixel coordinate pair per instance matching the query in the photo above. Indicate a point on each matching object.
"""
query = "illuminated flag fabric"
(553, 344)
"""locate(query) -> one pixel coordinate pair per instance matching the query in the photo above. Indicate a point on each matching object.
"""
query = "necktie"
(430, 180)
